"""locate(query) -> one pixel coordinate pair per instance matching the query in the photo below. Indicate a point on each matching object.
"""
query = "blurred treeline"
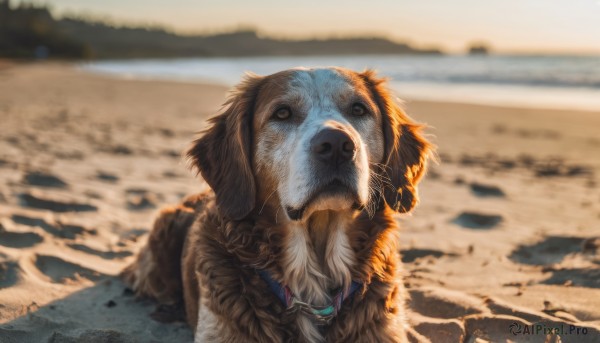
(29, 31)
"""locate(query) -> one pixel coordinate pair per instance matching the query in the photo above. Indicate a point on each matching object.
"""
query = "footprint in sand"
(410, 255)
(54, 205)
(141, 202)
(59, 270)
(107, 255)
(484, 191)
(478, 221)
(443, 303)
(141, 199)
(59, 229)
(7, 164)
(19, 239)
(172, 153)
(8, 274)
(439, 330)
(549, 251)
(557, 167)
(106, 176)
(579, 277)
(43, 179)
(131, 235)
(118, 149)
(171, 174)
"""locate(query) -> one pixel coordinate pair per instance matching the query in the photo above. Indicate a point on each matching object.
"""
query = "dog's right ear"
(223, 154)
(406, 149)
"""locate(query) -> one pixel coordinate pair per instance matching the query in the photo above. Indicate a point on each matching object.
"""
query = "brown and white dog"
(297, 241)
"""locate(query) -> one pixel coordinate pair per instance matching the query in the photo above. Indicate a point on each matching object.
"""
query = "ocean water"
(565, 82)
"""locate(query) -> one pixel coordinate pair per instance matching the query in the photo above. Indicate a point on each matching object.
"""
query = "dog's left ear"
(406, 151)
(223, 154)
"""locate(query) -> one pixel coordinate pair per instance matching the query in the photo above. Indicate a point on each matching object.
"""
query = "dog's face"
(316, 134)
(306, 140)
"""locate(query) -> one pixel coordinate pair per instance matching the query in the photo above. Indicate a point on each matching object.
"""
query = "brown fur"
(406, 149)
(228, 235)
(157, 274)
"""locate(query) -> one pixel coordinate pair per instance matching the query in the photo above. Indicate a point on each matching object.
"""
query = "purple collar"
(323, 315)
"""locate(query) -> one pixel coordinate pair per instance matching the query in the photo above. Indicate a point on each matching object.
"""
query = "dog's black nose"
(333, 146)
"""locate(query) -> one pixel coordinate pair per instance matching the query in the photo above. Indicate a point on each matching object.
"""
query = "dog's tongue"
(294, 214)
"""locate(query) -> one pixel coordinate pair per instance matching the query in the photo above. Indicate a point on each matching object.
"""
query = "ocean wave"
(565, 80)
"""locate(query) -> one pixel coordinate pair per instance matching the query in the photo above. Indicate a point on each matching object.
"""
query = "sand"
(507, 233)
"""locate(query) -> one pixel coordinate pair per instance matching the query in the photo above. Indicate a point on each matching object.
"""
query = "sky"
(518, 26)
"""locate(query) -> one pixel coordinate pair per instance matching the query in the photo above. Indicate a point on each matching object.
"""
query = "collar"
(323, 315)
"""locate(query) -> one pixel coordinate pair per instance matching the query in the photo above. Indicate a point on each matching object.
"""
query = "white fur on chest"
(309, 278)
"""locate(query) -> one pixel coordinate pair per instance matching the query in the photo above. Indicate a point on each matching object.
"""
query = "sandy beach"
(507, 234)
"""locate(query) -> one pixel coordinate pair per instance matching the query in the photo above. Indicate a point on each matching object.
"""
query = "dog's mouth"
(334, 191)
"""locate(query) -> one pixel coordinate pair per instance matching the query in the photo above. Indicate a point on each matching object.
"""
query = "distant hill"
(109, 42)
(29, 31)
(479, 48)
(83, 38)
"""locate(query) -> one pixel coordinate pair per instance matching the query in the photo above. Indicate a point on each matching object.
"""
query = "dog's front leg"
(207, 328)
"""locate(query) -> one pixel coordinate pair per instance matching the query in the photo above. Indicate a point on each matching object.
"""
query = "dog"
(296, 241)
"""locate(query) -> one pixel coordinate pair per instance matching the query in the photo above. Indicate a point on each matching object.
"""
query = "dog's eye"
(359, 110)
(282, 113)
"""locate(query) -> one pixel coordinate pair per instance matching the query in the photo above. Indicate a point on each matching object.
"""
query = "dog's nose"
(333, 146)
